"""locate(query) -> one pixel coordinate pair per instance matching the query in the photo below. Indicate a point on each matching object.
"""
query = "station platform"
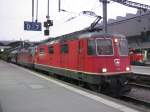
(22, 90)
(145, 70)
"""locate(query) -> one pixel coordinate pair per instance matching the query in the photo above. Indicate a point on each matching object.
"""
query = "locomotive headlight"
(104, 70)
(127, 68)
(2, 50)
(115, 40)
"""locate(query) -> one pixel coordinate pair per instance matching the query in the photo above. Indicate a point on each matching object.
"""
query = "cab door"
(81, 55)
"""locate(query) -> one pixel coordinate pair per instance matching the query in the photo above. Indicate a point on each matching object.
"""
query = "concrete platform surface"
(141, 69)
(22, 90)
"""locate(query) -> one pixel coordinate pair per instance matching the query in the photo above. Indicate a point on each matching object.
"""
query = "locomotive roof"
(79, 35)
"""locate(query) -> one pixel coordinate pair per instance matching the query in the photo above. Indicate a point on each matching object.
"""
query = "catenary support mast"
(104, 2)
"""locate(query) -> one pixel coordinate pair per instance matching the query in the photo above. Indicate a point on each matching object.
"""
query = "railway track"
(136, 101)
(140, 93)
(140, 79)
(140, 85)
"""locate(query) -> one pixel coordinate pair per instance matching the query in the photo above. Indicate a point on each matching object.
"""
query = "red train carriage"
(25, 57)
(136, 56)
(139, 56)
(98, 59)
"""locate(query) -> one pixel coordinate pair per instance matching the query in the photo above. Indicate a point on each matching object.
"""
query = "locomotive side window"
(64, 48)
(91, 47)
(123, 47)
(104, 47)
(42, 50)
(51, 49)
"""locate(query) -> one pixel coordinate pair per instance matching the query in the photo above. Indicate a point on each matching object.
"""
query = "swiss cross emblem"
(117, 62)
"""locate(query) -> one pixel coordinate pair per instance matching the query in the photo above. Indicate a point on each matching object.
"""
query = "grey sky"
(13, 13)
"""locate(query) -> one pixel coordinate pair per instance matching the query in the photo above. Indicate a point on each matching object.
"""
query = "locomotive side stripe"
(109, 73)
(68, 69)
(107, 102)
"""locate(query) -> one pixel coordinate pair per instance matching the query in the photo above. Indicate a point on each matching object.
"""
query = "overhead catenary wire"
(95, 5)
(87, 13)
(90, 13)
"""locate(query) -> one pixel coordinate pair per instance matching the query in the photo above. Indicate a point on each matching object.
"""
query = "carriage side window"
(64, 48)
(104, 47)
(42, 51)
(91, 47)
(51, 49)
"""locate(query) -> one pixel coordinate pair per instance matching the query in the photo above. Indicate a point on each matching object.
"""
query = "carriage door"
(81, 55)
(64, 55)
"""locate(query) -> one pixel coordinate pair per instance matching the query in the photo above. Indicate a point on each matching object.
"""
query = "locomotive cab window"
(104, 47)
(91, 47)
(64, 48)
(51, 49)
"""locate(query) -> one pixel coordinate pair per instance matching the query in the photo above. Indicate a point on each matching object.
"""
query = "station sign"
(32, 26)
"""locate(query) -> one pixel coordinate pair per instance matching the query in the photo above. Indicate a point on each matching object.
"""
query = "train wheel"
(105, 88)
(100, 88)
(115, 88)
(93, 87)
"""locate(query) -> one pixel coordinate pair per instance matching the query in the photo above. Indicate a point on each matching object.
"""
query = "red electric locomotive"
(100, 60)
